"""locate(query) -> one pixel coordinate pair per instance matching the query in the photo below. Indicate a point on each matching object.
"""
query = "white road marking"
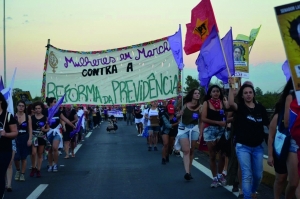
(38, 191)
(77, 148)
(89, 134)
(207, 172)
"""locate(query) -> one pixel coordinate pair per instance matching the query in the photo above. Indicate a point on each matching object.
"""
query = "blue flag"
(211, 59)
(227, 43)
(54, 109)
(175, 43)
(78, 125)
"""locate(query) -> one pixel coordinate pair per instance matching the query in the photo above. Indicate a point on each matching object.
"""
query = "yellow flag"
(253, 34)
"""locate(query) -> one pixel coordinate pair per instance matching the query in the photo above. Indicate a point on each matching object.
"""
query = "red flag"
(202, 21)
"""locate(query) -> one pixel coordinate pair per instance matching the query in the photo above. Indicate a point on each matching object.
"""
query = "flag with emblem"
(202, 22)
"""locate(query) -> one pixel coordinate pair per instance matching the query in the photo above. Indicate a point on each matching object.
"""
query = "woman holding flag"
(71, 115)
(8, 131)
(54, 136)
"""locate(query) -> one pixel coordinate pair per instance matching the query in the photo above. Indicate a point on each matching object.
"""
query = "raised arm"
(231, 102)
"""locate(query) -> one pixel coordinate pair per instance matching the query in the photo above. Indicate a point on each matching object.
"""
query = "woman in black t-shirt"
(249, 120)
(54, 135)
(39, 140)
(72, 116)
(9, 131)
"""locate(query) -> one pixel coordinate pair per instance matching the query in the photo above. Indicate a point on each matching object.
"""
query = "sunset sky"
(98, 25)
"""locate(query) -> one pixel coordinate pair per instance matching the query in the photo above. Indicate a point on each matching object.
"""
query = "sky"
(98, 25)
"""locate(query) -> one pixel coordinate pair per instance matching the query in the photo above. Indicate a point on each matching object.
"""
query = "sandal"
(67, 157)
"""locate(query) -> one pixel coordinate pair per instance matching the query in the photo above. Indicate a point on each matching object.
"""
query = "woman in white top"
(152, 114)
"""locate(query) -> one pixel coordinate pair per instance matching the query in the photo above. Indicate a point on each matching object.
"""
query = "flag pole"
(43, 93)
(229, 74)
(4, 45)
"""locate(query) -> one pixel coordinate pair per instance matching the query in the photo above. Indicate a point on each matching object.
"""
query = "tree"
(191, 83)
(37, 98)
(258, 92)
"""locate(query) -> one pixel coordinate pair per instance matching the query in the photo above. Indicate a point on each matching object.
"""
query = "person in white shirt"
(152, 114)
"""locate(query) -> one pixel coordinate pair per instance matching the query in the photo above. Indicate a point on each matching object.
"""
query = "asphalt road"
(118, 166)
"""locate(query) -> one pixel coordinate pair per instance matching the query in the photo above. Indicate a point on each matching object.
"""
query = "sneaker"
(55, 169)
(22, 177)
(38, 173)
(17, 175)
(163, 161)
(33, 171)
(149, 148)
(167, 159)
(222, 180)
(155, 148)
(187, 176)
(50, 168)
(214, 184)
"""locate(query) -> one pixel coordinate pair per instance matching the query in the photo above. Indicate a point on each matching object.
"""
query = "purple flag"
(286, 70)
(54, 109)
(227, 43)
(211, 59)
(1, 84)
(175, 43)
(78, 125)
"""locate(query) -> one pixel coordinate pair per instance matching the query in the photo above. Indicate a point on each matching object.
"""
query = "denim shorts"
(51, 138)
(293, 147)
(14, 145)
(213, 133)
(194, 134)
(154, 128)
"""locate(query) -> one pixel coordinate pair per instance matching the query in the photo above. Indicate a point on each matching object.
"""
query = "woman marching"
(188, 129)
(23, 141)
(54, 135)
(39, 140)
(8, 131)
(72, 116)
(169, 129)
(213, 118)
(249, 120)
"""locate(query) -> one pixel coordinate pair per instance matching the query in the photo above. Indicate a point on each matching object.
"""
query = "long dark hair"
(240, 93)
(21, 101)
(189, 97)
(207, 96)
(4, 104)
(49, 100)
(288, 89)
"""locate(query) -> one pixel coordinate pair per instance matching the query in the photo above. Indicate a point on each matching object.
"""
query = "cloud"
(9, 18)
(25, 15)
(26, 21)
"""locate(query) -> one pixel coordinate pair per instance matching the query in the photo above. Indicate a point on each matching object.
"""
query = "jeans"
(251, 162)
(5, 158)
(129, 118)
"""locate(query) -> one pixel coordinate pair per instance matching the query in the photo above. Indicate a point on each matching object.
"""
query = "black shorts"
(279, 166)
(66, 137)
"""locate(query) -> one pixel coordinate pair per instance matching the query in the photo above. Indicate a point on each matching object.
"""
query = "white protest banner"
(128, 75)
